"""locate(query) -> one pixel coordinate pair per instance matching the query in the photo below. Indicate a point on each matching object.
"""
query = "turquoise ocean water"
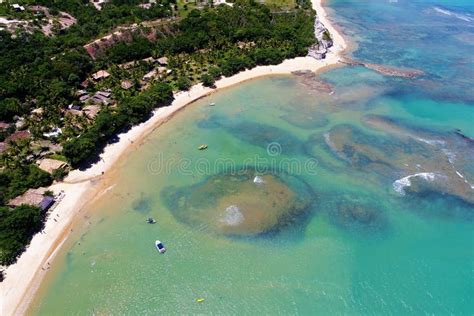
(344, 193)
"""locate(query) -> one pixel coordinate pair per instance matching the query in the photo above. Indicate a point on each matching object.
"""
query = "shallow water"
(356, 245)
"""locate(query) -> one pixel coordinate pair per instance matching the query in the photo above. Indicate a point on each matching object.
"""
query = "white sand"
(24, 277)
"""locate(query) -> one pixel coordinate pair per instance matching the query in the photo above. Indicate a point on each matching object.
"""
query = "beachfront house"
(50, 165)
(33, 197)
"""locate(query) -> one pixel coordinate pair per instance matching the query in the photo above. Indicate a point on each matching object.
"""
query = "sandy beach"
(23, 278)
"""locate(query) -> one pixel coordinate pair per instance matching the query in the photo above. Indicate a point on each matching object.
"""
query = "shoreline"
(23, 279)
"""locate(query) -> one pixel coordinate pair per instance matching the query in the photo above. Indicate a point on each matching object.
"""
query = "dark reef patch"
(397, 154)
(355, 212)
(261, 135)
(306, 120)
(242, 204)
(142, 204)
(429, 203)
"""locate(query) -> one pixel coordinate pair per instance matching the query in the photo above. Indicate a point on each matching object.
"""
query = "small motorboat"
(212, 104)
(150, 220)
(202, 147)
(200, 300)
(160, 247)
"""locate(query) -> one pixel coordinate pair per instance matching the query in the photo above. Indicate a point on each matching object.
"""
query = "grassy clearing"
(280, 4)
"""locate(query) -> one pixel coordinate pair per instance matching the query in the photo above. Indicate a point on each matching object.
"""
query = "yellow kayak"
(202, 147)
(200, 300)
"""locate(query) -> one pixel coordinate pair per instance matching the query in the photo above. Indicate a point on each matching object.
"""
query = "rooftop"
(101, 74)
(4, 125)
(33, 197)
(49, 165)
(163, 60)
(91, 111)
(150, 75)
(126, 84)
(18, 135)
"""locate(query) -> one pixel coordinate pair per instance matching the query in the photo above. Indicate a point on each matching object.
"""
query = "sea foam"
(400, 184)
(232, 216)
(258, 180)
(459, 16)
(332, 146)
(432, 142)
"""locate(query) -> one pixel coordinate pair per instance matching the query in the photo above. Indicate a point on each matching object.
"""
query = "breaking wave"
(463, 17)
(400, 184)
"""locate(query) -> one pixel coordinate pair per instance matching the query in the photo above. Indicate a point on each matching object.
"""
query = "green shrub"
(17, 227)
(207, 80)
(183, 83)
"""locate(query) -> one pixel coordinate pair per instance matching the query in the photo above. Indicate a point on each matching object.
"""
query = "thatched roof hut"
(101, 74)
(49, 165)
(91, 111)
(33, 197)
(126, 84)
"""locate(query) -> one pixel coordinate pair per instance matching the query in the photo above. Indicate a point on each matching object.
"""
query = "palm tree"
(17, 153)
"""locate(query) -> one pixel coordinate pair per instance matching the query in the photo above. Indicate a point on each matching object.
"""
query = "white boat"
(160, 247)
(212, 104)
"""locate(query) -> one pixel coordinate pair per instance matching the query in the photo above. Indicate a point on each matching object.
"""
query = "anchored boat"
(160, 247)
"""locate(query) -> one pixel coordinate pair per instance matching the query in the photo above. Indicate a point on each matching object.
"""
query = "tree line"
(272, 39)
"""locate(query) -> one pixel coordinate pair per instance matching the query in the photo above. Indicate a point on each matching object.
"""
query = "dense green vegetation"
(14, 182)
(17, 227)
(93, 23)
(41, 71)
(273, 37)
(131, 111)
(235, 38)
